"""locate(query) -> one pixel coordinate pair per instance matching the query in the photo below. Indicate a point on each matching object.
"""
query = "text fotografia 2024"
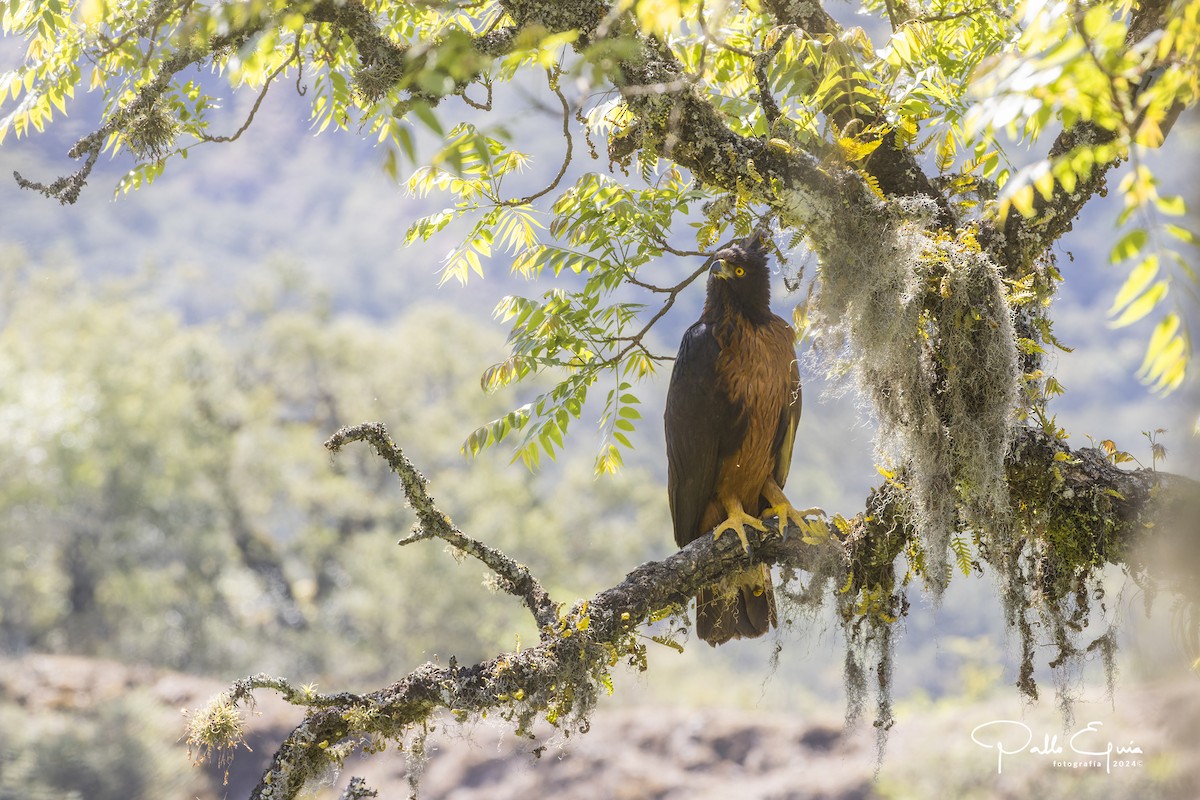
(1010, 737)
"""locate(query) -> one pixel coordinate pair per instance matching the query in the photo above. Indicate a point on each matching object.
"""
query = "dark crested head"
(739, 280)
(747, 253)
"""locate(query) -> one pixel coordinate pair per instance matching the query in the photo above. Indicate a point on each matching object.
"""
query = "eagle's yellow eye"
(739, 271)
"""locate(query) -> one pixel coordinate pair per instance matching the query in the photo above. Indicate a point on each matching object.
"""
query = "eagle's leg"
(737, 521)
(781, 507)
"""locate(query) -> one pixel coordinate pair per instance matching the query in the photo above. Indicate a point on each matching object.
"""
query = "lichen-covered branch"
(1095, 513)
(66, 189)
(432, 523)
(1083, 499)
(561, 679)
(893, 165)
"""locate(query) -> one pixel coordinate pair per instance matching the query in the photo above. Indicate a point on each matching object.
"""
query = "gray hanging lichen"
(919, 324)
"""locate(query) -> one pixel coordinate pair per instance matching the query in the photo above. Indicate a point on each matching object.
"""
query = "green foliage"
(886, 157)
(1073, 64)
(1148, 283)
(953, 79)
(472, 167)
(603, 233)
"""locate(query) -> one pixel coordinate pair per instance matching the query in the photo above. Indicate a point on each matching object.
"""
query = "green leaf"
(1139, 278)
(666, 641)
(425, 113)
(1142, 306)
(403, 137)
(609, 462)
(1173, 205)
(1022, 200)
(855, 149)
(1130, 245)
(1182, 234)
(1167, 354)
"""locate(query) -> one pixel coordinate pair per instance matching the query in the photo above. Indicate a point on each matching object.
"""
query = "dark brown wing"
(696, 419)
(785, 434)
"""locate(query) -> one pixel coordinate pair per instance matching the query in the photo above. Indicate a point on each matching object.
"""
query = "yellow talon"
(737, 522)
(782, 508)
(797, 517)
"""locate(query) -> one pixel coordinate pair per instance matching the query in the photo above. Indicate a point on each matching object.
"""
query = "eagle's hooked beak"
(721, 269)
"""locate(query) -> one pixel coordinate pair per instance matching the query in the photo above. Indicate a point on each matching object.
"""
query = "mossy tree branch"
(1108, 512)
(432, 523)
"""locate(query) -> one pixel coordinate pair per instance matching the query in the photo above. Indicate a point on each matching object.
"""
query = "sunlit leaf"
(1173, 205)
(1185, 235)
(856, 149)
(1142, 306)
(1139, 278)
(1165, 364)
(1128, 246)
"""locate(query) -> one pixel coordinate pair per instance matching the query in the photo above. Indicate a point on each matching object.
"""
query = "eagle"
(731, 414)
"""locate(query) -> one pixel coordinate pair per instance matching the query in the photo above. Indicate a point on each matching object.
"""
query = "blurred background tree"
(173, 474)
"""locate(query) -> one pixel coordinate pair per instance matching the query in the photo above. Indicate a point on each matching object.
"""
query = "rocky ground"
(632, 753)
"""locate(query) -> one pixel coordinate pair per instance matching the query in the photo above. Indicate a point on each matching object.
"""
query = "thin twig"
(686, 253)
(515, 578)
(243, 689)
(712, 38)
(969, 12)
(552, 78)
(672, 293)
(254, 109)
(762, 63)
(486, 105)
(636, 339)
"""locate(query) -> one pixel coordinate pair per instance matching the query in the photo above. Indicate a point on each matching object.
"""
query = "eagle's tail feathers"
(739, 607)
